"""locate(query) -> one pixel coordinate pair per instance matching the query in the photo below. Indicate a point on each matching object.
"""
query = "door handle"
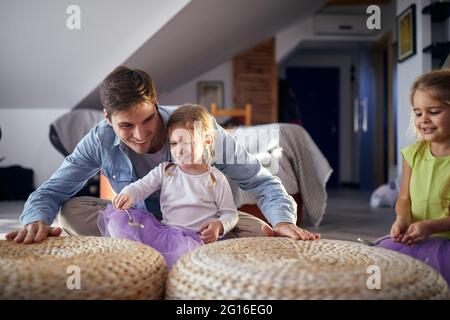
(365, 106)
(356, 115)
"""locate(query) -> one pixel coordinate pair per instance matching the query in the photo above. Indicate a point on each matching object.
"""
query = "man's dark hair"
(124, 88)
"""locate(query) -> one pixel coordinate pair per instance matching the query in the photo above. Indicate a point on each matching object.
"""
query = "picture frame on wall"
(406, 33)
(210, 92)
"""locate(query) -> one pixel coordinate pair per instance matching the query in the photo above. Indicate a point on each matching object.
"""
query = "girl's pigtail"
(208, 158)
(170, 165)
(213, 178)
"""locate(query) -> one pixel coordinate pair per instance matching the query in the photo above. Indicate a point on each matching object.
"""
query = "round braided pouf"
(281, 268)
(81, 268)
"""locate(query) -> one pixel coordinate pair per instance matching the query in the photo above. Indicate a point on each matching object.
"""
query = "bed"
(291, 155)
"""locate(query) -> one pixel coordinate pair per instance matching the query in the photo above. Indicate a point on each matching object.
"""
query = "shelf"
(439, 11)
(439, 51)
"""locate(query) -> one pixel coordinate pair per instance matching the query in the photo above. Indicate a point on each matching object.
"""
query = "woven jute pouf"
(81, 268)
(280, 268)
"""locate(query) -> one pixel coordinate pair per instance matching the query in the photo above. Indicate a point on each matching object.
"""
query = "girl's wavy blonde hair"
(437, 85)
(191, 116)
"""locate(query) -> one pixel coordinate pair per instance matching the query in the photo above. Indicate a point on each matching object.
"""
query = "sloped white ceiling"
(43, 64)
(207, 33)
(46, 65)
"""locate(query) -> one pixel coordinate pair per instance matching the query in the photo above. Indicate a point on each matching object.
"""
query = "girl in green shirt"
(422, 227)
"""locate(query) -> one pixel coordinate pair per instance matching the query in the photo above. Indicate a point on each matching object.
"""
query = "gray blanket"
(290, 154)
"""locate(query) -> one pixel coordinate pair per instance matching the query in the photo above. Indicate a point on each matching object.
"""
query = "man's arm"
(277, 206)
(77, 168)
(271, 196)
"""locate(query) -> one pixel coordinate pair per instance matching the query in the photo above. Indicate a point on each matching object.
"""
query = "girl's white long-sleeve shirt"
(188, 200)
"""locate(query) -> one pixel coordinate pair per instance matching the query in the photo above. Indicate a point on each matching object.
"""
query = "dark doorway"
(317, 92)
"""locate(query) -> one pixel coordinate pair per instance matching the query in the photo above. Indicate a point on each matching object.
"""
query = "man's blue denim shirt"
(101, 150)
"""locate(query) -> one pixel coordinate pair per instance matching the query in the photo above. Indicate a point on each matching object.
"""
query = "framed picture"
(209, 92)
(406, 33)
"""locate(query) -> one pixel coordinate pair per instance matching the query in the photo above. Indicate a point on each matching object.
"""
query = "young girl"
(196, 200)
(422, 227)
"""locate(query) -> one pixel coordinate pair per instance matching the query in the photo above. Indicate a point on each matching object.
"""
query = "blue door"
(317, 93)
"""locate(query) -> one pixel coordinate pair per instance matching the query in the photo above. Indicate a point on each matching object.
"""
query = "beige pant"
(78, 216)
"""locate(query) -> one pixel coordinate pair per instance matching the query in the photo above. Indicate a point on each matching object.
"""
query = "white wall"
(408, 70)
(187, 93)
(303, 30)
(25, 141)
(288, 39)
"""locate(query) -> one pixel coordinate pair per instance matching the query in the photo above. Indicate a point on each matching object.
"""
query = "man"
(125, 147)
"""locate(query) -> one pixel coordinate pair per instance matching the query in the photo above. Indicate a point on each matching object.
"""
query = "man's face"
(140, 128)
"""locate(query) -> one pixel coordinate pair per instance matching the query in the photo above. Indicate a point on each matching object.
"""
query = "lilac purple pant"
(171, 242)
(434, 251)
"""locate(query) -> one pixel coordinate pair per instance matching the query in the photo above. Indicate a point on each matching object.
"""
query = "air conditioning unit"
(340, 24)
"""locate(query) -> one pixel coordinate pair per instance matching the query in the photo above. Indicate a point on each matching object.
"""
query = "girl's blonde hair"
(191, 116)
(437, 84)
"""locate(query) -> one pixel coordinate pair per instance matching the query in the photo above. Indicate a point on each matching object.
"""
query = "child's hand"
(417, 232)
(399, 228)
(209, 231)
(122, 201)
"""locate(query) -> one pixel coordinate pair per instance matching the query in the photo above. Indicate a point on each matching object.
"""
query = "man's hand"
(33, 232)
(417, 232)
(290, 230)
(209, 231)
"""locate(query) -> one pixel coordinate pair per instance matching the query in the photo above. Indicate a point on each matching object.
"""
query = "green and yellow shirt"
(429, 175)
